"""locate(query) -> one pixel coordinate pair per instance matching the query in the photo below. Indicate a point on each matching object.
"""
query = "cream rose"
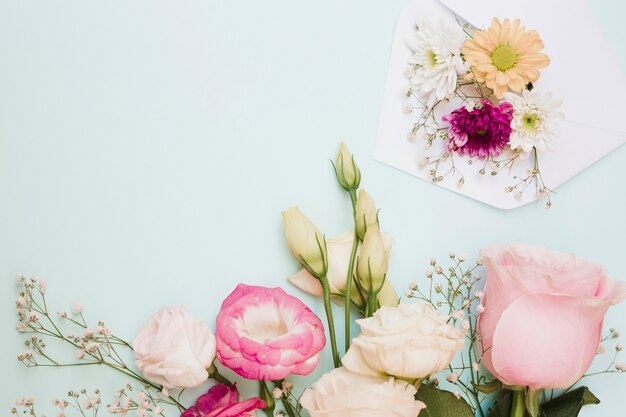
(174, 350)
(408, 341)
(341, 393)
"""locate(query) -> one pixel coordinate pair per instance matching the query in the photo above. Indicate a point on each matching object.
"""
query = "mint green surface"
(147, 149)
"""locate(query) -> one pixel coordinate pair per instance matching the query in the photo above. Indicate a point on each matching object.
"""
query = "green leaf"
(570, 404)
(489, 387)
(502, 407)
(440, 403)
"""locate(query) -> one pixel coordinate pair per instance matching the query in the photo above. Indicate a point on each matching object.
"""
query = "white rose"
(339, 249)
(174, 350)
(410, 341)
(341, 393)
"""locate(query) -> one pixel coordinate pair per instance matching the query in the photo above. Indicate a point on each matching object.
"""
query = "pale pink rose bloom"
(174, 350)
(543, 314)
(266, 334)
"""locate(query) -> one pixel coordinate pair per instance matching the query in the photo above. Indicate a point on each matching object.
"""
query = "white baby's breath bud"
(478, 294)
(476, 367)
(438, 287)
(305, 242)
(366, 215)
(438, 270)
(411, 136)
(157, 411)
(277, 393)
(423, 163)
(480, 308)
(619, 347)
(518, 196)
(601, 349)
(348, 173)
(77, 308)
(620, 366)
(452, 378)
(433, 380)
(457, 395)
(407, 108)
(429, 274)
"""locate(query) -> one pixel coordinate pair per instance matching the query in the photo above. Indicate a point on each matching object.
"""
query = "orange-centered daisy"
(505, 56)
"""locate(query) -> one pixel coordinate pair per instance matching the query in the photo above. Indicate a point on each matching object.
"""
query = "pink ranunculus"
(223, 401)
(543, 314)
(266, 334)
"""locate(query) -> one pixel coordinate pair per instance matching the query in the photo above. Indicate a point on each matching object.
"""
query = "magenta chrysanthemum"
(480, 131)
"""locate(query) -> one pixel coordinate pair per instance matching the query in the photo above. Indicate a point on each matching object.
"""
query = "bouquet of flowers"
(499, 117)
(515, 343)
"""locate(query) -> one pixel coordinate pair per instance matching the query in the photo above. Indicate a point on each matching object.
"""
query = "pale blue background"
(147, 149)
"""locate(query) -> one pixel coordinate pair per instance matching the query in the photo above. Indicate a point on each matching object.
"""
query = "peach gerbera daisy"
(505, 56)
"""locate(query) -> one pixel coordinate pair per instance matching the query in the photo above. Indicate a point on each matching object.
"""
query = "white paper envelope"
(583, 70)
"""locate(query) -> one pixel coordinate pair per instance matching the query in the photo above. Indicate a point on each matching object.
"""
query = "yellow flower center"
(504, 57)
(531, 121)
(432, 58)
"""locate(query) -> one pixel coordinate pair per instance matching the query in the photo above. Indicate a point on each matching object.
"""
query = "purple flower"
(482, 131)
(222, 401)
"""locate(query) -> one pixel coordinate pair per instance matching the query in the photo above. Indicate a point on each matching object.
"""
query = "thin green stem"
(518, 407)
(331, 322)
(348, 295)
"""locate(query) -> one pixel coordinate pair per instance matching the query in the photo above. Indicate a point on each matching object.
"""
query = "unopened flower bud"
(305, 242)
(371, 266)
(348, 173)
(366, 214)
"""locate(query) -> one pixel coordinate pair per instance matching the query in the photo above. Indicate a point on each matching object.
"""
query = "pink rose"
(266, 334)
(222, 401)
(543, 315)
(174, 350)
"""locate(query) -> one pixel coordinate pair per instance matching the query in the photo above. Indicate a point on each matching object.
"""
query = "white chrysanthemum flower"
(533, 116)
(436, 59)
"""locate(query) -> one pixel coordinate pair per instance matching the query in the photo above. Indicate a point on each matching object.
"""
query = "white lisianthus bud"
(305, 242)
(366, 214)
(348, 173)
(371, 267)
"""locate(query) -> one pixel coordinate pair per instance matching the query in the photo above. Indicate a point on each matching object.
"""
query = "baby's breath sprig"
(455, 289)
(535, 178)
(93, 346)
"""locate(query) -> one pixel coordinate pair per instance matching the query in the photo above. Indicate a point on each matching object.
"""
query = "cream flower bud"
(366, 214)
(305, 242)
(348, 173)
(371, 266)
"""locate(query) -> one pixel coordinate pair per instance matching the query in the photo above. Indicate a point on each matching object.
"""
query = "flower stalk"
(331, 322)
(350, 277)
(518, 404)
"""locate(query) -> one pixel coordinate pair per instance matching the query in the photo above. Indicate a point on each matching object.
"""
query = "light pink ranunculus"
(543, 314)
(266, 334)
(174, 350)
(223, 401)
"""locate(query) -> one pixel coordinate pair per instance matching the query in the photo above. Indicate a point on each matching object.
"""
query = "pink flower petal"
(547, 341)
